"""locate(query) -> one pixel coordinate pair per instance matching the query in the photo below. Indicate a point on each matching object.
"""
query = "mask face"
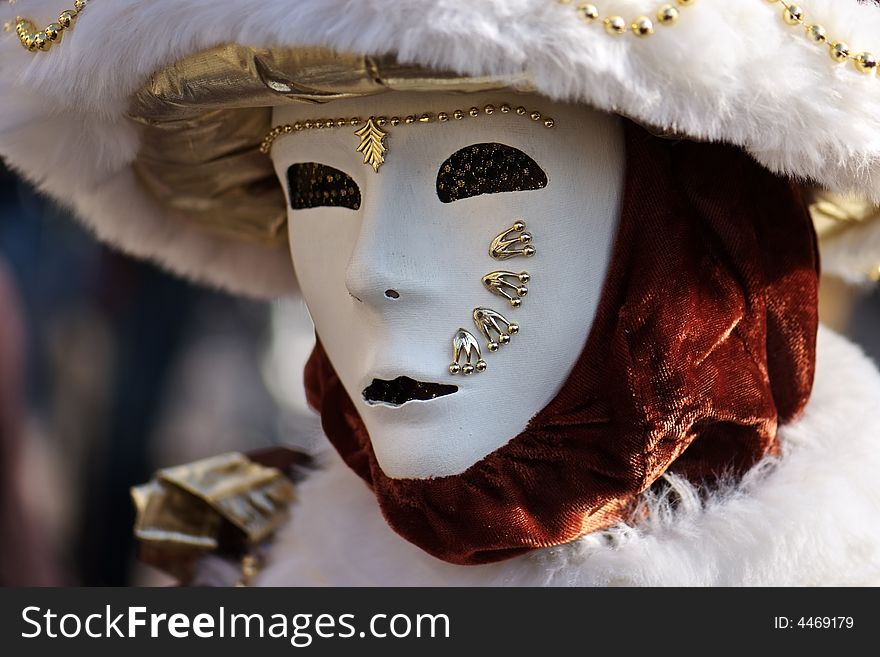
(392, 263)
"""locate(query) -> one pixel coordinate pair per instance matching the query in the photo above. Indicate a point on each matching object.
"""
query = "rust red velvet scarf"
(704, 341)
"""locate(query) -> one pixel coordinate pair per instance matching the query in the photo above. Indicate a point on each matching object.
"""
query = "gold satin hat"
(204, 118)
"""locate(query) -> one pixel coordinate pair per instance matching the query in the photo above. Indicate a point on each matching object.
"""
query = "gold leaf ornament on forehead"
(372, 145)
(372, 136)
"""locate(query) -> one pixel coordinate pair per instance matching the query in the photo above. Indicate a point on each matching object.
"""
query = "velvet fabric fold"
(702, 344)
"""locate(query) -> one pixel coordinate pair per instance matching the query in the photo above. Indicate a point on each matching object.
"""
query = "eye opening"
(487, 168)
(392, 294)
(313, 185)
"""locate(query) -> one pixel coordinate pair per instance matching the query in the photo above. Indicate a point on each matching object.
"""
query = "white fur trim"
(730, 71)
(811, 517)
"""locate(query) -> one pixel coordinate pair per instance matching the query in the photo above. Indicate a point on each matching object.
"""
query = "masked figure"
(560, 262)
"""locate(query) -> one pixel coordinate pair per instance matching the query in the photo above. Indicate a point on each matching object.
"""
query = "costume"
(674, 433)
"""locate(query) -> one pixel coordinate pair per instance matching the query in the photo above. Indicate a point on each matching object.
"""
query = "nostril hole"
(392, 294)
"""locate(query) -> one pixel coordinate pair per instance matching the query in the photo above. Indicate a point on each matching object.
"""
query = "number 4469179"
(815, 622)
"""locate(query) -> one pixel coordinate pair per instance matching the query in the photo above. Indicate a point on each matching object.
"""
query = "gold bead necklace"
(641, 26)
(372, 144)
(840, 51)
(34, 39)
(667, 14)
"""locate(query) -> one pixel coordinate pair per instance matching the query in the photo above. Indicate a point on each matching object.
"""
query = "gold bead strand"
(641, 26)
(35, 40)
(839, 51)
(383, 121)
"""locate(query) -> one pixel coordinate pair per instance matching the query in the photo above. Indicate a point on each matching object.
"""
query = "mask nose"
(375, 278)
(396, 259)
(381, 269)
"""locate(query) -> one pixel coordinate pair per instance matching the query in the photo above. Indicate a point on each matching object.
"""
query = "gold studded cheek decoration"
(372, 136)
(496, 329)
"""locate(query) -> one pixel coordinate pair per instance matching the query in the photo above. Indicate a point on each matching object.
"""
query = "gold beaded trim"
(641, 26)
(372, 136)
(668, 14)
(839, 50)
(35, 40)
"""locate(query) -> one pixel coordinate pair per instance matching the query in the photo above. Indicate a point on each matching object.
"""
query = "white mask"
(389, 284)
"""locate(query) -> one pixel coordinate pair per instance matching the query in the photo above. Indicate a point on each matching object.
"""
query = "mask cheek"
(321, 242)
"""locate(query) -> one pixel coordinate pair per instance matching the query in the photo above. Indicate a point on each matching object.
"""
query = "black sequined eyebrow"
(313, 185)
(487, 169)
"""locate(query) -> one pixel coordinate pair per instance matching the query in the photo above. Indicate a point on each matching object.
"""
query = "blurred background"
(110, 369)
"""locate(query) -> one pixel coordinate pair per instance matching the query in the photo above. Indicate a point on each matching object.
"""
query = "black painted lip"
(404, 389)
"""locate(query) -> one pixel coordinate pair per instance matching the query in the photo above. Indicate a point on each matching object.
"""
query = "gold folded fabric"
(834, 213)
(226, 504)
